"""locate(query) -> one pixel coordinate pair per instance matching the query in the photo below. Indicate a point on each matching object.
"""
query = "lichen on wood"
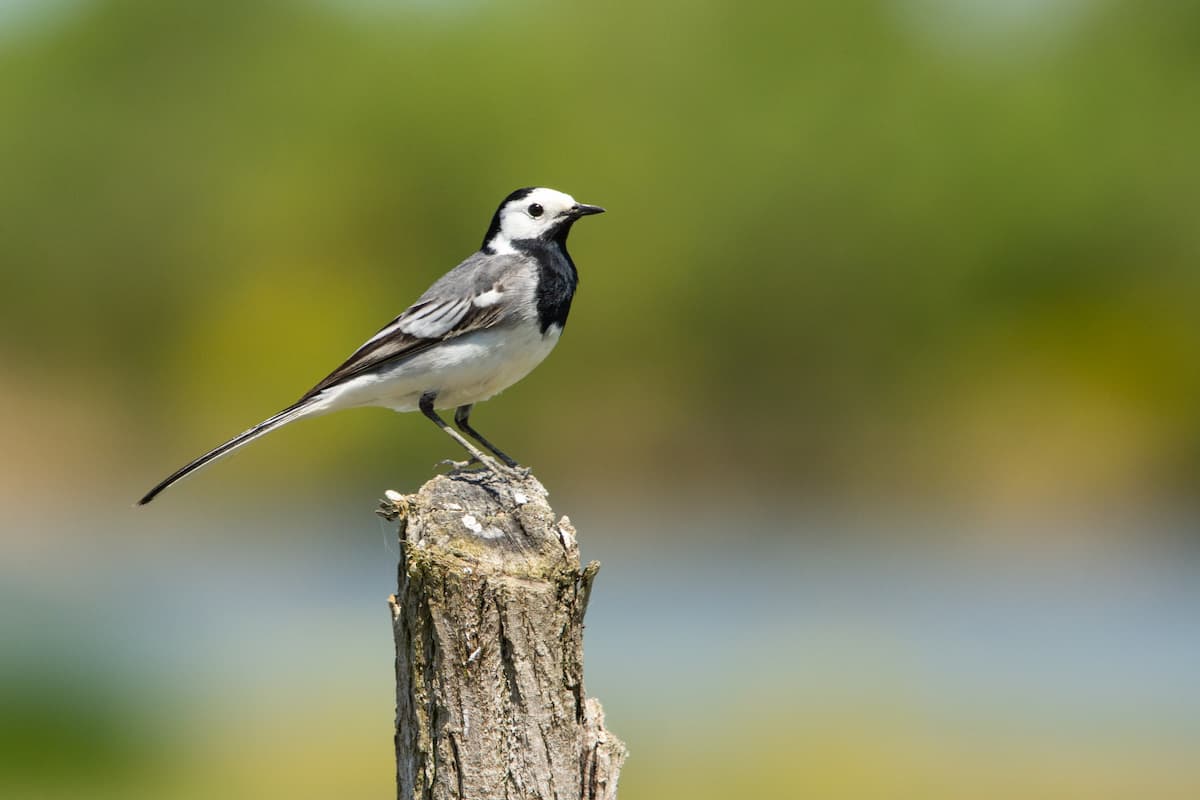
(488, 622)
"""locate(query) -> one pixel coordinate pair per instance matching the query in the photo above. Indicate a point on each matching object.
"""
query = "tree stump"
(488, 623)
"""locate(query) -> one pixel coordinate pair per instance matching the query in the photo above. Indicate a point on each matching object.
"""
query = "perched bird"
(478, 330)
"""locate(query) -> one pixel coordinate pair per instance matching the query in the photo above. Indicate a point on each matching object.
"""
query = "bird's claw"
(515, 470)
(502, 470)
(456, 466)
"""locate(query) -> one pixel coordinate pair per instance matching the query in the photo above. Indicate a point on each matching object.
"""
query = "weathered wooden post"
(488, 623)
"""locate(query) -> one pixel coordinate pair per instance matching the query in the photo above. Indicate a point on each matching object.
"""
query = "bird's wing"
(465, 299)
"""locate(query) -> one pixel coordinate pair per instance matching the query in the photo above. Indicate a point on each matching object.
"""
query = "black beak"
(583, 210)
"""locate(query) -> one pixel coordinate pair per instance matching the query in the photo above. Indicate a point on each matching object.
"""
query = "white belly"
(468, 369)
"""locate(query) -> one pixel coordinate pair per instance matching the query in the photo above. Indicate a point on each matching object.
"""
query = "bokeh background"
(878, 399)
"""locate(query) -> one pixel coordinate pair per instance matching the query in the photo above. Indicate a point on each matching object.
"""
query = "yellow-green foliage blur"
(933, 255)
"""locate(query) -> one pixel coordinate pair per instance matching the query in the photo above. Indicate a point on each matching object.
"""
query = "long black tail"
(289, 414)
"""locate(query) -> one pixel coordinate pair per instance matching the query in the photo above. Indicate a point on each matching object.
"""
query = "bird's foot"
(456, 466)
(517, 472)
(503, 472)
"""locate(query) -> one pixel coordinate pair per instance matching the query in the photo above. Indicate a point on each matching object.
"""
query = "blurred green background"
(878, 398)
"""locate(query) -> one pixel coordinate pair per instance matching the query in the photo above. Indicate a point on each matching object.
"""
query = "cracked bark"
(488, 623)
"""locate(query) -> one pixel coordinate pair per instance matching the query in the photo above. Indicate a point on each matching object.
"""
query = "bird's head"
(534, 213)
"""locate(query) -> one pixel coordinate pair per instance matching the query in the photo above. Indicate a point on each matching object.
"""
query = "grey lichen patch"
(470, 519)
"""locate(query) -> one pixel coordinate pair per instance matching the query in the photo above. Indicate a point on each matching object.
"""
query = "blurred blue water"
(1065, 631)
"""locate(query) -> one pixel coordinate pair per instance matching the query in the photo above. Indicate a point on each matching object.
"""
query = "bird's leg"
(426, 406)
(462, 420)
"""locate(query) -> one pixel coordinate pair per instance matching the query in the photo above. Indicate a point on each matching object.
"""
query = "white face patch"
(520, 219)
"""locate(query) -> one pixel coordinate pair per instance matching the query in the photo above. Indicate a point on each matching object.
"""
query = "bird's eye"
(535, 210)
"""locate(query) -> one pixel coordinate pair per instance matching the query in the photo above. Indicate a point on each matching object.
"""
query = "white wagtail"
(478, 330)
